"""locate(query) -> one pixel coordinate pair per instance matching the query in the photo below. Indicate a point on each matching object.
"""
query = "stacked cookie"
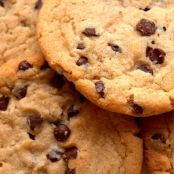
(115, 53)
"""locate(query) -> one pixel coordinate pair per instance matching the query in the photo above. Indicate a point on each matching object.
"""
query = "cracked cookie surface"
(158, 133)
(119, 54)
(47, 127)
(18, 20)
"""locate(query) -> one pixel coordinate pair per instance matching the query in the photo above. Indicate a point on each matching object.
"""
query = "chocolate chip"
(90, 32)
(70, 153)
(99, 86)
(20, 92)
(137, 109)
(138, 134)
(153, 42)
(44, 66)
(72, 111)
(58, 81)
(159, 136)
(38, 4)
(2, 3)
(4, 100)
(156, 55)
(81, 46)
(164, 28)
(70, 171)
(146, 27)
(115, 47)
(34, 121)
(24, 65)
(145, 68)
(61, 132)
(82, 60)
(31, 136)
(54, 156)
(146, 9)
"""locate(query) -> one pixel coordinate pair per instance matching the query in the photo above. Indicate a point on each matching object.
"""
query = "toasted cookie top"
(18, 20)
(48, 127)
(119, 54)
(158, 133)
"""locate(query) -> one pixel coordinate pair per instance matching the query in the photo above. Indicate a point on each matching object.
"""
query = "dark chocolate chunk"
(153, 42)
(146, 27)
(4, 100)
(34, 121)
(99, 86)
(137, 109)
(159, 136)
(82, 61)
(61, 132)
(31, 136)
(70, 153)
(70, 171)
(20, 92)
(115, 47)
(90, 32)
(72, 111)
(156, 55)
(58, 81)
(145, 68)
(54, 156)
(81, 46)
(24, 65)
(146, 9)
(38, 4)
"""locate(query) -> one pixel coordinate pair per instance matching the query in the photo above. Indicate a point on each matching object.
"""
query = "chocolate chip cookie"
(18, 19)
(119, 54)
(47, 127)
(158, 133)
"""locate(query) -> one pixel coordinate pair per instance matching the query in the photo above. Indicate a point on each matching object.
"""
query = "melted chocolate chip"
(90, 32)
(4, 100)
(137, 109)
(115, 47)
(146, 27)
(81, 46)
(61, 132)
(31, 136)
(82, 61)
(20, 92)
(159, 136)
(58, 81)
(54, 156)
(70, 171)
(34, 121)
(2, 3)
(72, 111)
(38, 4)
(145, 68)
(24, 65)
(99, 86)
(70, 153)
(156, 55)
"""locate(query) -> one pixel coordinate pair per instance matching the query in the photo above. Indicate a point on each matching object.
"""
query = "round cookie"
(18, 20)
(47, 127)
(158, 133)
(117, 53)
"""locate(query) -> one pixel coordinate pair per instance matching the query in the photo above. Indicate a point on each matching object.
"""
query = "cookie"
(117, 54)
(158, 133)
(48, 127)
(18, 20)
